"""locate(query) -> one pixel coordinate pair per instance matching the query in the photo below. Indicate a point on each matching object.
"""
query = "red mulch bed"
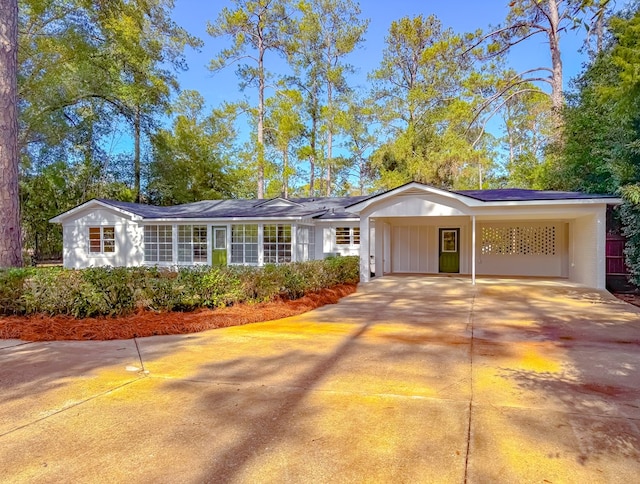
(149, 323)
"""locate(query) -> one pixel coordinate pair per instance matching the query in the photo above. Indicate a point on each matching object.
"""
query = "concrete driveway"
(411, 379)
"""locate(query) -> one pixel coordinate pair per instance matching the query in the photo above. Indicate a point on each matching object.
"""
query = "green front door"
(219, 253)
(449, 250)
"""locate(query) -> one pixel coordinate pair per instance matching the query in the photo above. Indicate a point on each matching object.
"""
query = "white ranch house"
(414, 228)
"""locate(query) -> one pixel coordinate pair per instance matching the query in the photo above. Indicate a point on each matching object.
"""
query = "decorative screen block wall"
(519, 240)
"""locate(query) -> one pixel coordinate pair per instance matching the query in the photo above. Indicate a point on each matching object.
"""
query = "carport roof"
(522, 195)
(508, 196)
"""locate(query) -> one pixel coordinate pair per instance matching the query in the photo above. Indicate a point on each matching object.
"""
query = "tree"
(528, 18)
(329, 31)
(527, 128)
(283, 127)
(256, 27)
(546, 18)
(428, 92)
(143, 42)
(356, 124)
(193, 160)
(10, 230)
(602, 119)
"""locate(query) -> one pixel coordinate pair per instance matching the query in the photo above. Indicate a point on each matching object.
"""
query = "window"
(306, 243)
(158, 243)
(244, 244)
(192, 243)
(347, 235)
(219, 238)
(102, 240)
(449, 242)
(276, 240)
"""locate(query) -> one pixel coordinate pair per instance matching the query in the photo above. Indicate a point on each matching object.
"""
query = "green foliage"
(119, 291)
(630, 215)
(193, 160)
(12, 288)
(430, 93)
(602, 148)
(87, 72)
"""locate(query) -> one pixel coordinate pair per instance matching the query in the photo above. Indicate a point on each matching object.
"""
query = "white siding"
(410, 244)
(411, 248)
(128, 243)
(325, 234)
(587, 251)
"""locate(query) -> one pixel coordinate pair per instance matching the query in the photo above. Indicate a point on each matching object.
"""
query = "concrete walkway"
(411, 379)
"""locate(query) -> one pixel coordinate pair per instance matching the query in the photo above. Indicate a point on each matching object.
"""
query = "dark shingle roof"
(522, 195)
(321, 208)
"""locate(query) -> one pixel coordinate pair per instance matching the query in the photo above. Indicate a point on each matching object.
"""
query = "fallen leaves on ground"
(42, 327)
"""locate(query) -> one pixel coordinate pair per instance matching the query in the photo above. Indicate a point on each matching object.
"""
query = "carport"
(506, 232)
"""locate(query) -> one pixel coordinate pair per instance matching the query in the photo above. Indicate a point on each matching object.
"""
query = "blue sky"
(460, 15)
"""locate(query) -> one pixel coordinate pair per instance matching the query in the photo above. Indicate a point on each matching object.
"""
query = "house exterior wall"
(128, 241)
(587, 249)
(325, 233)
(535, 249)
(413, 243)
(406, 239)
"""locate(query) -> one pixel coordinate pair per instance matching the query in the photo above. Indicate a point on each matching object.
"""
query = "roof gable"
(90, 205)
(277, 202)
(481, 198)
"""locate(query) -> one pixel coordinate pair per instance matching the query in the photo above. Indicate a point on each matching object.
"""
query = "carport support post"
(365, 265)
(473, 250)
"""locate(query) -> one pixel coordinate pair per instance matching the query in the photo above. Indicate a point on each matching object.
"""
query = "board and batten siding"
(411, 244)
(129, 246)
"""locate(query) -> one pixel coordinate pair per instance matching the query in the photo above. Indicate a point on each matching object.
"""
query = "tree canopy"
(101, 113)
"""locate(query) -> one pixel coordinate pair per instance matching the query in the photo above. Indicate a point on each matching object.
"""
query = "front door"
(219, 253)
(449, 250)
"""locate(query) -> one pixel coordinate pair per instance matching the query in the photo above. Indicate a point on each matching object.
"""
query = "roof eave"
(59, 219)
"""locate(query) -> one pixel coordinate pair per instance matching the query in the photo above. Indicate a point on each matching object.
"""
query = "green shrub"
(116, 291)
(112, 290)
(59, 291)
(12, 282)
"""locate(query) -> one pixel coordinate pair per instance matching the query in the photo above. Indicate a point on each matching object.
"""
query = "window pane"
(356, 235)
(220, 236)
(158, 243)
(102, 239)
(343, 236)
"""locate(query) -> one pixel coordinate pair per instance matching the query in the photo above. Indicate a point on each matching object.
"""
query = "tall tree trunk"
(136, 154)
(312, 158)
(329, 137)
(557, 98)
(261, 51)
(285, 172)
(10, 231)
(599, 28)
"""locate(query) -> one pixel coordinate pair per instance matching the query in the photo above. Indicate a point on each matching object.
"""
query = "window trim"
(158, 243)
(101, 239)
(278, 241)
(242, 242)
(191, 244)
(353, 236)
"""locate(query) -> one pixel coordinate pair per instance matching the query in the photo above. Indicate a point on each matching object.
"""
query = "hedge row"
(118, 291)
